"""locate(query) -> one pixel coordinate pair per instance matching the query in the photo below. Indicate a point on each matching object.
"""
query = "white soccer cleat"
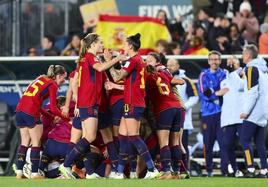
(239, 174)
(117, 176)
(27, 170)
(93, 176)
(133, 175)
(66, 172)
(152, 174)
(112, 175)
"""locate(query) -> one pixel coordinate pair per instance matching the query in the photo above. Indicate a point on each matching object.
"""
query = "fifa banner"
(149, 8)
(90, 12)
(10, 95)
(115, 29)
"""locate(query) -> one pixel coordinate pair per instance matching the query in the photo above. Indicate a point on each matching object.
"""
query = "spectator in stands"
(263, 39)
(162, 46)
(223, 44)
(235, 39)
(203, 18)
(209, 91)
(227, 7)
(175, 48)
(218, 32)
(174, 26)
(72, 49)
(247, 23)
(48, 46)
(200, 31)
(191, 35)
(32, 52)
(196, 47)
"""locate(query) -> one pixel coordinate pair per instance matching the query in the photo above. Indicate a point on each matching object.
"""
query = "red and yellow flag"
(115, 29)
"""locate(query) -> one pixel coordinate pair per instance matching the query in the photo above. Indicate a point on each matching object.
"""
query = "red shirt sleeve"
(91, 59)
(47, 114)
(72, 74)
(53, 101)
(129, 66)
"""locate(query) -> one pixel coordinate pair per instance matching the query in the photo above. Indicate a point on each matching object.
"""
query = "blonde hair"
(55, 70)
(86, 43)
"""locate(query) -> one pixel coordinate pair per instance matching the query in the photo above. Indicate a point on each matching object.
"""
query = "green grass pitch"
(193, 182)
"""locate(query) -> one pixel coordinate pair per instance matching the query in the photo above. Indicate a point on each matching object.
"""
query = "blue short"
(117, 112)
(169, 119)
(26, 120)
(77, 123)
(89, 112)
(133, 112)
(55, 149)
(104, 120)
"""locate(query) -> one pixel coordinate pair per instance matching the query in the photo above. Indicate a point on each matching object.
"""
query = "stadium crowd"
(225, 27)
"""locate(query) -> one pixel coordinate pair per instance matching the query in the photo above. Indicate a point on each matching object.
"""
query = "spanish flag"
(115, 29)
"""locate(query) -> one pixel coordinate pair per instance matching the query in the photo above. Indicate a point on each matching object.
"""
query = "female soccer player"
(28, 114)
(90, 87)
(168, 114)
(134, 93)
(71, 97)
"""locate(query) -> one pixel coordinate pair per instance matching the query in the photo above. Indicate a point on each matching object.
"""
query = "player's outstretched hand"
(222, 91)
(65, 111)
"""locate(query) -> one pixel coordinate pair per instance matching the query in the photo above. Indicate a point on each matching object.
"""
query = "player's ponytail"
(86, 43)
(55, 70)
(135, 41)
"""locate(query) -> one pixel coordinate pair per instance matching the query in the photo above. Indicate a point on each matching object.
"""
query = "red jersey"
(72, 74)
(39, 90)
(134, 89)
(61, 132)
(104, 99)
(160, 91)
(90, 82)
(115, 94)
(47, 121)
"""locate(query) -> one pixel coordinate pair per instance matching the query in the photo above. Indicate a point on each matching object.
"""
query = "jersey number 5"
(35, 88)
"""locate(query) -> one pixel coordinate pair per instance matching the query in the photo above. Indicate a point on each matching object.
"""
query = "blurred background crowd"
(222, 25)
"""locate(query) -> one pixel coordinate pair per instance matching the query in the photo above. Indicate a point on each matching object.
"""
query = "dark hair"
(252, 50)
(163, 59)
(86, 43)
(51, 39)
(61, 101)
(160, 58)
(214, 52)
(165, 44)
(31, 50)
(156, 56)
(166, 18)
(55, 70)
(173, 45)
(134, 40)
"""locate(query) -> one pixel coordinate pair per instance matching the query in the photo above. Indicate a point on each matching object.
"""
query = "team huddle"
(98, 129)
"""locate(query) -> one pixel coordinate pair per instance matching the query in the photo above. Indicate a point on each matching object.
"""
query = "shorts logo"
(126, 109)
(95, 112)
(204, 126)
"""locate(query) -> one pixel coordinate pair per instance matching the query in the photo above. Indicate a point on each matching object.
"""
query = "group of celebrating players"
(94, 131)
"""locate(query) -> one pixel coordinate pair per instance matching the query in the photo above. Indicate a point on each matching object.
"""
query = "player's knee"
(90, 137)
